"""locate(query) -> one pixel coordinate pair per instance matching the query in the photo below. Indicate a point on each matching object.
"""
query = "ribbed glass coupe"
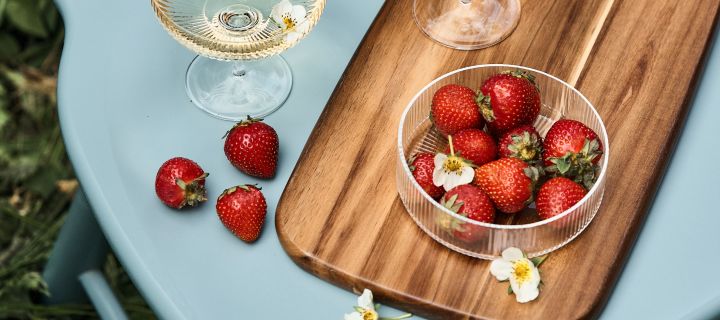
(467, 24)
(238, 71)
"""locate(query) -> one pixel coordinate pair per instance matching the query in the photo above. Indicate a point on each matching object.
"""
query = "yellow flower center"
(289, 22)
(453, 164)
(368, 314)
(527, 152)
(521, 271)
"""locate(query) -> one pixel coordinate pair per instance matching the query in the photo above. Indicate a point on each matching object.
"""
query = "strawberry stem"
(452, 150)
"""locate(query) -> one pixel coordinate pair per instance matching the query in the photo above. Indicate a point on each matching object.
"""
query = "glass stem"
(238, 69)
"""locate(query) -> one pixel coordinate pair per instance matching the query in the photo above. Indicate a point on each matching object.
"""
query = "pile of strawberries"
(497, 161)
(252, 147)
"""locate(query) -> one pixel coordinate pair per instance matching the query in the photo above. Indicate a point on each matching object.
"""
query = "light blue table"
(121, 97)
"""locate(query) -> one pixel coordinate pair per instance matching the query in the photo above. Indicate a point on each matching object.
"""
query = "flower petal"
(292, 36)
(303, 27)
(279, 10)
(353, 316)
(439, 175)
(451, 181)
(501, 269)
(534, 276)
(297, 13)
(365, 300)
(440, 160)
(467, 175)
(513, 254)
(526, 292)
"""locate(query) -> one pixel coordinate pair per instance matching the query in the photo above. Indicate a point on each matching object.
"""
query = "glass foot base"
(233, 90)
(467, 24)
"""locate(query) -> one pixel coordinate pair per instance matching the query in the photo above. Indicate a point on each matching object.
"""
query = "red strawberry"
(508, 100)
(252, 147)
(454, 109)
(557, 195)
(242, 210)
(422, 166)
(469, 201)
(180, 182)
(509, 182)
(572, 150)
(523, 143)
(474, 145)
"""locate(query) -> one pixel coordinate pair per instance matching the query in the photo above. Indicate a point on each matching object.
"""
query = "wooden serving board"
(340, 217)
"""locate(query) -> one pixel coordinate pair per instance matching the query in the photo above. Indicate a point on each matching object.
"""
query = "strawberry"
(523, 143)
(422, 166)
(509, 182)
(474, 145)
(454, 109)
(252, 147)
(508, 100)
(557, 195)
(572, 150)
(180, 182)
(242, 210)
(469, 201)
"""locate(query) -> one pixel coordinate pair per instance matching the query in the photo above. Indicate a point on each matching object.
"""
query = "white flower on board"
(366, 309)
(522, 272)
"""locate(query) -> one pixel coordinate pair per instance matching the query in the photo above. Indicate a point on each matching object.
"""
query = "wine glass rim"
(596, 185)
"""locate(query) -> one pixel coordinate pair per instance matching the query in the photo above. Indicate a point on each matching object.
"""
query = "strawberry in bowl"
(471, 202)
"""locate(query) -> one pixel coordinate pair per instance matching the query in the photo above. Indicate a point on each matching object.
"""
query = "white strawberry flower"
(366, 309)
(522, 272)
(291, 18)
(451, 170)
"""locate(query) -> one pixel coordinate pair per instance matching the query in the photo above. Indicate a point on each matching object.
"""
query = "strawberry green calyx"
(486, 110)
(243, 123)
(193, 191)
(446, 222)
(534, 173)
(410, 161)
(523, 74)
(452, 203)
(250, 120)
(578, 166)
(526, 147)
(245, 187)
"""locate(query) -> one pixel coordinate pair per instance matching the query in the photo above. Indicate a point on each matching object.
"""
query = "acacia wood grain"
(341, 219)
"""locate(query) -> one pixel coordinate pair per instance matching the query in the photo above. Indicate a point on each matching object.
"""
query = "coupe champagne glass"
(238, 71)
(467, 24)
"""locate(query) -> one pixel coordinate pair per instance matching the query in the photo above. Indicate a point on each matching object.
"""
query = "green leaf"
(4, 116)
(3, 4)
(537, 261)
(51, 18)
(26, 16)
(43, 181)
(35, 53)
(34, 281)
(16, 78)
(9, 47)
(510, 290)
(21, 168)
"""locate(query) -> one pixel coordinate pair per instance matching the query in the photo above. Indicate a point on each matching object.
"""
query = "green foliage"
(36, 179)
(31, 32)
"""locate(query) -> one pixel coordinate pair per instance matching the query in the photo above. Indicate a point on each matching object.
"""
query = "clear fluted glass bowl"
(416, 134)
